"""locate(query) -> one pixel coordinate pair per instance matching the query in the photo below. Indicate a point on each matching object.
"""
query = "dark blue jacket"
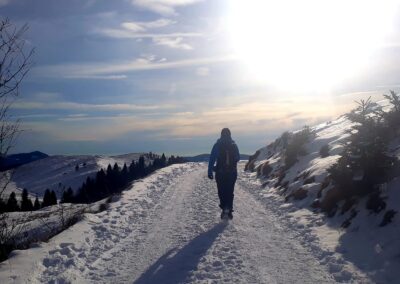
(215, 153)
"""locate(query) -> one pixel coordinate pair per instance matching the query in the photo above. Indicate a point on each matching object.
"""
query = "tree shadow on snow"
(176, 264)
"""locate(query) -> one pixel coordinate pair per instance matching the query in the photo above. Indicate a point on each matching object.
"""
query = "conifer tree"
(132, 170)
(53, 198)
(102, 184)
(36, 204)
(67, 196)
(141, 167)
(364, 162)
(109, 170)
(12, 203)
(46, 198)
(392, 117)
(124, 175)
(171, 160)
(163, 160)
(26, 203)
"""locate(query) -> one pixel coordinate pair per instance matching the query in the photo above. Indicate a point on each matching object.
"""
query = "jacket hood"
(225, 139)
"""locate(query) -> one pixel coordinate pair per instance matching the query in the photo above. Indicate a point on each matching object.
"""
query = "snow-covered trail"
(167, 230)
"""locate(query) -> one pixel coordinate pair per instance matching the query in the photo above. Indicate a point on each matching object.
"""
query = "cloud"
(144, 26)
(246, 118)
(140, 30)
(202, 71)
(46, 96)
(172, 42)
(163, 7)
(84, 70)
(40, 115)
(4, 2)
(105, 77)
(89, 107)
(129, 34)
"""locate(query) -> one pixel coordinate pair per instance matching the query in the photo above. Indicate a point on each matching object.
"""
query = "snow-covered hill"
(60, 172)
(352, 229)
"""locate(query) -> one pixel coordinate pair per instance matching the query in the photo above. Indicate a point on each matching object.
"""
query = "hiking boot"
(230, 215)
(225, 214)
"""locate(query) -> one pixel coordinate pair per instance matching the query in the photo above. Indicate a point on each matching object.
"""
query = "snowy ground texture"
(166, 229)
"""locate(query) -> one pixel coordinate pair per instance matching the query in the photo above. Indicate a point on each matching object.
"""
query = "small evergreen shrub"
(266, 169)
(324, 151)
(298, 194)
(375, 202)
(347, 222)
(295, 146)
(388, 217)
(349, 202)
(250, 165)
(309, 180)
(364, 162)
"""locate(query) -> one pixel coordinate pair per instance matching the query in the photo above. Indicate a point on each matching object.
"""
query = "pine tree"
(124, 175)
(70, 194)
(36, 205)
(53, 198)
(163, 160)
(364, 162)
(46, 198)
(116, 170)
(109, 170)
(12, 203)
(90, 189)
(26, 203)
(102, 184)
(132, 171)
(392, 117)
(82, 196)
(141, 167)
(171, 160)
(67, 196)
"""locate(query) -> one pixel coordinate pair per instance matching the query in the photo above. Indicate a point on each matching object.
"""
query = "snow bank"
(354, 235)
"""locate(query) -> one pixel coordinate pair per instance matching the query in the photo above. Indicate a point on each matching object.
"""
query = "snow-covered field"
(58, 172)
(28, 228)
(166, 229)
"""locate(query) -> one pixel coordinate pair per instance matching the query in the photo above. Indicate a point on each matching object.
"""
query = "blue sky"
(166, 75)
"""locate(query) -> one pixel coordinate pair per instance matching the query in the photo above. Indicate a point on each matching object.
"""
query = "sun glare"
(310, 44)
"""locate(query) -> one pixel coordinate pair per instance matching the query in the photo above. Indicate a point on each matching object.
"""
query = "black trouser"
(226, 186)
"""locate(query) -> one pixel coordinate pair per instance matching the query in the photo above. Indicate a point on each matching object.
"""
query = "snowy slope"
(372, 248)
(166, 229)
(58, 172)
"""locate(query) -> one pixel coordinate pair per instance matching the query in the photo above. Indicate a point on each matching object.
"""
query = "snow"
(166, 229)
(40, 225)
(364, 248)
(58, 172)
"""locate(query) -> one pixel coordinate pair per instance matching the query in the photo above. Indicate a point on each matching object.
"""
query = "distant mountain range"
(206, 157)
(16, 160)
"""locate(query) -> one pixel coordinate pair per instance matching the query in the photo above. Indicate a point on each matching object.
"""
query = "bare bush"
(15, 62)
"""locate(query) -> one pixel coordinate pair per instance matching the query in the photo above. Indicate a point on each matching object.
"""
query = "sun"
(309, 44)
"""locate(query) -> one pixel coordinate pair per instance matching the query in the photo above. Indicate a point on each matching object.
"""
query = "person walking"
(226, 154)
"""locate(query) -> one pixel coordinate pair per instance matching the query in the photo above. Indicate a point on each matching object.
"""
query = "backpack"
(226, 157)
